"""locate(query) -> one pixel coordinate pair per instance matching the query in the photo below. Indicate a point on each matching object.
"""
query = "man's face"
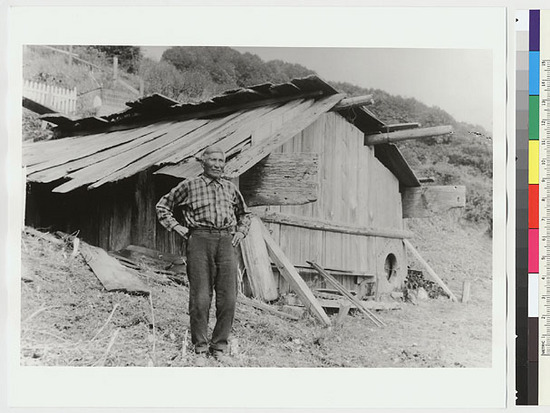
(213, 165)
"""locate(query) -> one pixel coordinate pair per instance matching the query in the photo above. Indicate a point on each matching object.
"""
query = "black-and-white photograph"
(257, 207)
(247, 207)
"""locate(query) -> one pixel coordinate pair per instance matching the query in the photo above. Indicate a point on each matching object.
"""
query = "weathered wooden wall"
(355, 189)
(110, 217)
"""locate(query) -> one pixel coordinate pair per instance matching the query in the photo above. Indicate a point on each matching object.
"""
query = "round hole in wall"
(390, 266)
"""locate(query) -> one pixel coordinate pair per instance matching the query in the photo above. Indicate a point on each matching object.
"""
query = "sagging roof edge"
(156, 107)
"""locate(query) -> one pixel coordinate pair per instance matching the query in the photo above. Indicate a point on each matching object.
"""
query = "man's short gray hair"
(212, 149)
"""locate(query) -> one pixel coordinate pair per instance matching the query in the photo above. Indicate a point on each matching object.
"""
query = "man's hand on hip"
(237, 238)
(181, 230)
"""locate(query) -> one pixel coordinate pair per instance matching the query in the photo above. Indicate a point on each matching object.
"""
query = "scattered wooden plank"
(332, 281)
(404, 135)
(331, 226)
(334, 271)
(124, 260)
(258, 266)
(110, 272)
(293, 278)
(282, 179)
(424, 201)
(151, 253)
(265, 307)
(368, 304)
(328, 296)
(336, 303)
(431, 272)
(244, 161)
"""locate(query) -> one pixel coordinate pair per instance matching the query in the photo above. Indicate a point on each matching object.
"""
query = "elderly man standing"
(215, 220)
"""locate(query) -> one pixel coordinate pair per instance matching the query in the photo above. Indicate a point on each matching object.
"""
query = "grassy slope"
(65, 307)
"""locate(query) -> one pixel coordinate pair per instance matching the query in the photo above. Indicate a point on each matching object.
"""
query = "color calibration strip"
(527, 203)
(534, 145)
(542, 114)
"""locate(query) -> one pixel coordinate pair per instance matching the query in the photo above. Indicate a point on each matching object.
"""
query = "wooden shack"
(317, 167)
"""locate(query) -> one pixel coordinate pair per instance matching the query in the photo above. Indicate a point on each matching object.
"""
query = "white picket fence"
(60, 99)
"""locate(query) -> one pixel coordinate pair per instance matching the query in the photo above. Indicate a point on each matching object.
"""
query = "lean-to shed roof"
(159, 132)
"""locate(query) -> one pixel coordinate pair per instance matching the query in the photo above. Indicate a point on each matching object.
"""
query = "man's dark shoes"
(221, 356)
(200, 358)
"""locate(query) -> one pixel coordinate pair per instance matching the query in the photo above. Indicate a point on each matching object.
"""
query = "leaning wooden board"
(110, 272)
(258, 265)
(296, 282)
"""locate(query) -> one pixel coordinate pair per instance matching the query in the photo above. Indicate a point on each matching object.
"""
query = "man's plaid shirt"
(204, 203)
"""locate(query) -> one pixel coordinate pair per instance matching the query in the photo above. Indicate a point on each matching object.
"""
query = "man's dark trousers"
(211, 264)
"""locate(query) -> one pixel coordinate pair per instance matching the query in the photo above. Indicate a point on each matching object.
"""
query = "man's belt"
(213, 230)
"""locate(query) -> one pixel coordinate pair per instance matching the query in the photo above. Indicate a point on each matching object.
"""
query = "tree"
(129, 57)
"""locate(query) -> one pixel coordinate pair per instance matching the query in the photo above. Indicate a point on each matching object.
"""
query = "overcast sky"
(458, 81)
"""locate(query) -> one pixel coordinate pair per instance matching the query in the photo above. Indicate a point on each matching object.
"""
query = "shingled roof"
(158, 132)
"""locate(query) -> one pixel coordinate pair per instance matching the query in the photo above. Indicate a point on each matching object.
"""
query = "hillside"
(190, 74)
(69, 319)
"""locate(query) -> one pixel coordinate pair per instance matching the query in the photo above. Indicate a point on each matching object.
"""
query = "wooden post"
(431, 272)
(115, 67)
(466, 291)
(343, 312)
(141, 86)
(407, 134)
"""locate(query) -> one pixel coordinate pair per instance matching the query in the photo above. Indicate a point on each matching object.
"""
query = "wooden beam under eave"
(404, 135)
(425, 201)
(400, 126)
(330, 226)
(353, 102)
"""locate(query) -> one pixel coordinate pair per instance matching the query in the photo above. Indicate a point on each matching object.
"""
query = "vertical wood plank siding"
(111, 217)
(355, 188)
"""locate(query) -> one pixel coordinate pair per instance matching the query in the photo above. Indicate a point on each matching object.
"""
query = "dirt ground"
(68, 319)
